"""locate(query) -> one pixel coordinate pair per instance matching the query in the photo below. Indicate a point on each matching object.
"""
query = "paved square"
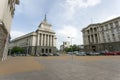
(62, 68)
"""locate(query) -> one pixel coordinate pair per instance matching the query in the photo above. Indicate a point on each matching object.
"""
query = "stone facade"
(7, 8)
(43, 40)
(102, 36)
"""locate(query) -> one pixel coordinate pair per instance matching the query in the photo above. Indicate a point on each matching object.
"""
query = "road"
(61, 68)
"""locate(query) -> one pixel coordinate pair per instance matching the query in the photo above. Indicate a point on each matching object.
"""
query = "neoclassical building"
(102, 36)
(43, 40)
(7, 8)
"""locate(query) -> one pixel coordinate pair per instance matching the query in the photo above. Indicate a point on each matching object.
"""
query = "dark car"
(56, 54)
(44, 54)
(102, 52)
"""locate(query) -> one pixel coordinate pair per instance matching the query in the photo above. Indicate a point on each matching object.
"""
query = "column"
(41, 39)
(45, 40)
(52, 40)
(94, 38)
(48, 41)
(38, 38)
(90, 39)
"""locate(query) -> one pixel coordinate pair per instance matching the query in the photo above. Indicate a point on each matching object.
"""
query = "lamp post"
(27, 46)
(71, 45)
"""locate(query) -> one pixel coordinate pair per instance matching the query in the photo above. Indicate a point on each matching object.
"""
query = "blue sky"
(68, 17)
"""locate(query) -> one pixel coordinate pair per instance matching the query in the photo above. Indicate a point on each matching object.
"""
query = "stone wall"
(2, 41)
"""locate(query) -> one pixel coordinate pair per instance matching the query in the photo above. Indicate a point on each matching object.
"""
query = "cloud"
(69, 31)
(72, 6)
(15, 34)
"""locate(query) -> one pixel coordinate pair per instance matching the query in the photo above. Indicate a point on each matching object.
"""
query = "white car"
(94, 53)
(81, 54)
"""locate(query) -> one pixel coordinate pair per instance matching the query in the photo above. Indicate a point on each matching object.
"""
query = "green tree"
(17, 50)
(72, 48)
(75, 48)
(67, 50)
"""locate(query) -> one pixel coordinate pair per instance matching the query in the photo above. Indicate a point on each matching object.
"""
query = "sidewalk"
(19, 64)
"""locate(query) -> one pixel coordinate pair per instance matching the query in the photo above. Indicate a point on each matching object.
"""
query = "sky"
(68, 17)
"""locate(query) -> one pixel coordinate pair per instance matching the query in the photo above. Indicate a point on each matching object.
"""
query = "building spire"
(45, 19)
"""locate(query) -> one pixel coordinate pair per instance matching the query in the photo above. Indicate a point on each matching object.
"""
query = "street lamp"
(27, 46)
(71, 45)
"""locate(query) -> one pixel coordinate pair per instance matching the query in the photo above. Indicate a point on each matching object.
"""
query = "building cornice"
(45, 31)
(108, 21)
(24, 36)
(90, 26)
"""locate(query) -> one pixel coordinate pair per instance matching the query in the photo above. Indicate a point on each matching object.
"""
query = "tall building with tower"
(43, 40)
(7, 8)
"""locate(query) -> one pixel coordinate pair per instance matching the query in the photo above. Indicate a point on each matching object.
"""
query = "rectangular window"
(116, 24)
(106, 27)
(111, 25)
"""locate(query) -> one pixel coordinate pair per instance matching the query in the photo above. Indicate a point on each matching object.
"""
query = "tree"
(17, 50)
(67, 49)
(75, 48)
(72, 48)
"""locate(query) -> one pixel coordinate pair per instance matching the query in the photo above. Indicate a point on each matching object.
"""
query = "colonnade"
(45, 40)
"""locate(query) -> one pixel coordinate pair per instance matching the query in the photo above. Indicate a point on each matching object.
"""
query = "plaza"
(62, 67)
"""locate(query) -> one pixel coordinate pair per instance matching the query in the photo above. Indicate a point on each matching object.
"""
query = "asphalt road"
(64, 68)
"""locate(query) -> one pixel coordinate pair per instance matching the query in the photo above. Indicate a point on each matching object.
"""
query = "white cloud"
(15, 34)
(71, 6)
(69, 31)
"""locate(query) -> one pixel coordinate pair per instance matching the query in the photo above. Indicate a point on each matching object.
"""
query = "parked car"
(110, 53)
(93, 53)
(44, 54)
(81, 54)
(96, 53)
(118, 52)
(75, 52)
(102, 52)
(50, 54)
(90, 53)
(56, 54)
(70, 53)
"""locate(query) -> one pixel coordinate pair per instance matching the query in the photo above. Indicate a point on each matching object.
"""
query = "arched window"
(42, 50)
(46, 50)
(50, 50)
